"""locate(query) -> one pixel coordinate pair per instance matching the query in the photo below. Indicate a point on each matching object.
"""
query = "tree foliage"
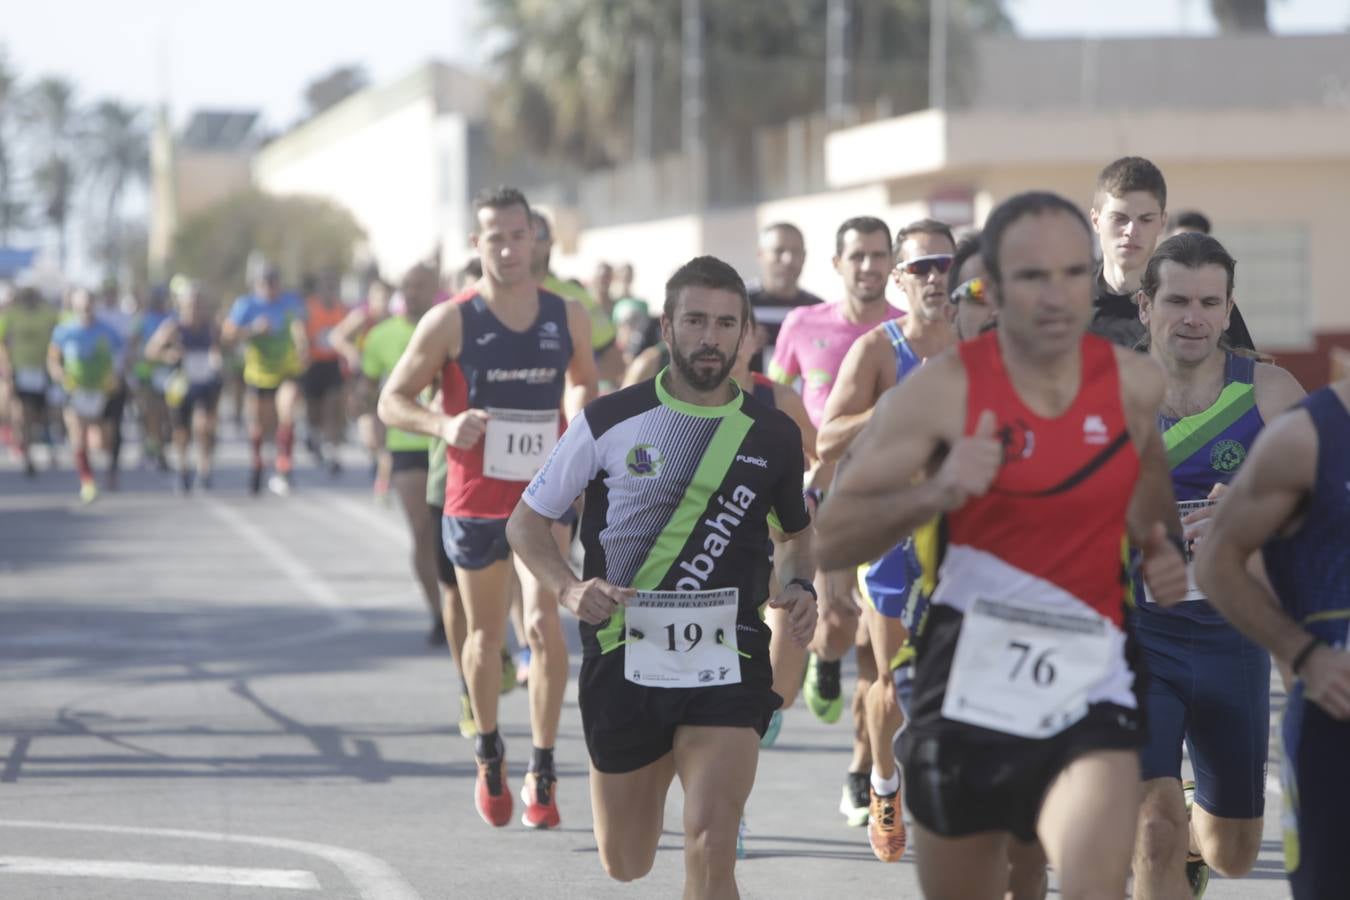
(567, 68)
(118, 155)
(51, 108)
(300, 234)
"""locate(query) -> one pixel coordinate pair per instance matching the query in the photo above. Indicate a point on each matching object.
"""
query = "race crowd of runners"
(1060, 508)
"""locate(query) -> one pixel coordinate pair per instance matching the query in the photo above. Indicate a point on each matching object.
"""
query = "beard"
(698, 380)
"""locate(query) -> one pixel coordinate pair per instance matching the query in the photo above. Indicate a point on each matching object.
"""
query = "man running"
(384, 345)
(781, 254)
(811, 346)
(686, 477)
(323, 381)
(1129, 213)
(1025, 720)
(150, 379)
(86, 358)
(271, 327)
(1291, 502)
(1209, 687)
(876, 362)
(349, 339)
(509, 356)
(28, 323)
(189, 342)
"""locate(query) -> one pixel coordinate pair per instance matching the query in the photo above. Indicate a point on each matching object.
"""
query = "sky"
(260, 54)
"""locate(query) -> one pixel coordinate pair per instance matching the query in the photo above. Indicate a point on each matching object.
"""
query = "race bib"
(518, 441)
(1025, 670)
(88, 403)
(160, 378)
(1185, 508)
(682, 639)
(199, 367)
(30, 380)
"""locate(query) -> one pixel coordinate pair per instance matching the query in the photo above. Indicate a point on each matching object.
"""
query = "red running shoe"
(491, 797)
(541, 806)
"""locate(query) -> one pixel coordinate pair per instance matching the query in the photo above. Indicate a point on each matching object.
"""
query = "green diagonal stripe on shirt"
(1193, 432)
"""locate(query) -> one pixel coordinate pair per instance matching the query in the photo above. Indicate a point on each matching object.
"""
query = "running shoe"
(821, 690)
(1197, 870)
(538, 793)
(468, 728)
(886, 827)
(508, 672)
(29, 470)
(771, 733)
(280, 485)
(88, 492)
(856, 802)
(491, 797)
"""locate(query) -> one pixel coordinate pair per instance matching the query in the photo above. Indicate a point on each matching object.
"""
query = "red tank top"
(1056, 510)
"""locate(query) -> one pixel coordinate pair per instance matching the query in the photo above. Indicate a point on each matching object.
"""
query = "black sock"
(488, 745)
(541, 761)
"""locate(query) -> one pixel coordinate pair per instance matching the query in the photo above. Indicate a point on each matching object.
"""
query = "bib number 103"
(524, 444)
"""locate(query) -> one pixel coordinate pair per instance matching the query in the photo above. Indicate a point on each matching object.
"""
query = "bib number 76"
(1040, 672)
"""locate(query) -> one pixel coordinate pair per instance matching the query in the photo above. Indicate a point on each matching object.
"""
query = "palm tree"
(119, 154)
(9, 208)
(52, 109)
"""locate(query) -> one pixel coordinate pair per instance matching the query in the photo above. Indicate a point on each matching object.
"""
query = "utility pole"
(691, 93)
(836, 60)
(937, 54)
(644, 100)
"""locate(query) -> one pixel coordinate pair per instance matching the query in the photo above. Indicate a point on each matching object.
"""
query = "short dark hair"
(967, 247)
(1030, 203)
(1131, 173)
(706, 272)
(539, 222)
(784, 226)
(500, 197)
(922, 226)
(862, 225)
(1192, 250)
(1192, 220)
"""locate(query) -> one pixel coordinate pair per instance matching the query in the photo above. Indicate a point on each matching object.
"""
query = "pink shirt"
(811, 346)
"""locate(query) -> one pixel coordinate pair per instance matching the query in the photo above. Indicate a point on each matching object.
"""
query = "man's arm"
(784, 368)
(436, 339)
(582, 374)
(159, 348)
(874, 502)
(790, 403)
(343, 337)
(1276, 390)
(645, 365)
(854, 394)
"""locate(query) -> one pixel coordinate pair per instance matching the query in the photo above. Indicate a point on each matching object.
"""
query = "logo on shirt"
(718, 538)
(548, 336)
(1227, 455)
(1095, 430)
(549, 328)
(1017, 439)
(545, 375)
(484, 340)
(645, 461)
(753, 460)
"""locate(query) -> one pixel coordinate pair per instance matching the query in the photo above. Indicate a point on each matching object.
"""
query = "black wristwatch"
(806, 585)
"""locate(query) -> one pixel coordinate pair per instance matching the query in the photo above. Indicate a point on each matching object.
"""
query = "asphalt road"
(225, 696)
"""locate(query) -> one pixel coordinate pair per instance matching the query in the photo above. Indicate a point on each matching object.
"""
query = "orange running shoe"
(491, 796)
(886, 827)
(541, 806)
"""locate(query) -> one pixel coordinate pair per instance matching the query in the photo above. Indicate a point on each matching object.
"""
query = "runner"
(686, 478)
(1291, 502)
(271, 327)
(384, 345)
(150, 379)
(108, 310)
(1208, 687)
(86, 358)
(323, 382)
(349, 339)
(27, 324)
(781, 253)
(190, 343)
(1025, 719)
(509, 356)
(1129, 213)
(811, 346)
(971, 311)
(876, 362)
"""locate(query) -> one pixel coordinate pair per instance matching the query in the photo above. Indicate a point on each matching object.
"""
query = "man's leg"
(629, 811)
(411, 487)
(836, 632)
(484, 594)
(287, 399)
(1027, 875)
(1087, 824)
(788, 659)
(887, 828)
(1229, 846)
(1160, 845)
(716, 765)
(974, 867)
(860, 764)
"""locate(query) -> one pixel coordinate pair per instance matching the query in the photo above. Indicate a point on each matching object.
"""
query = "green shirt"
(384, 345)
(27, 332)
(602, 329)
(437, 465)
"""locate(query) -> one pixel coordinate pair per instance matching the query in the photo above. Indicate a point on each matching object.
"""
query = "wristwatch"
(806, 585)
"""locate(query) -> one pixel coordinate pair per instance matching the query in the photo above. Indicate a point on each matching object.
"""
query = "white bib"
(30, 380)
(682, 639)
(88, 403)
(199, 367)
(1025, 670)
(1185, 508)
(518, 441)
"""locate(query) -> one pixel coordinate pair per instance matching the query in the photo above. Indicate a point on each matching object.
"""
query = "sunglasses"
(922, 265)
(969, 290)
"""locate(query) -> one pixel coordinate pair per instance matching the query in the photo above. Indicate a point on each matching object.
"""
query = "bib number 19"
(693, 633)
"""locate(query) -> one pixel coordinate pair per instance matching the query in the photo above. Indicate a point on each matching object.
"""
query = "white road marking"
(373, 878)
(305, 579)
(286, 879)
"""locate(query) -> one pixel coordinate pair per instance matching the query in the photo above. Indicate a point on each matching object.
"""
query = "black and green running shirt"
(678, 497)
